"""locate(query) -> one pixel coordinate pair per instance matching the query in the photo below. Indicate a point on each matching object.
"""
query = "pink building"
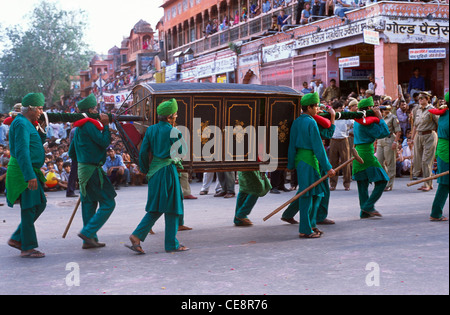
(387, 39)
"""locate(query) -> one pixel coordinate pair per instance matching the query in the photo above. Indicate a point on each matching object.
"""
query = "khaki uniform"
(385, 155)
(425, 142)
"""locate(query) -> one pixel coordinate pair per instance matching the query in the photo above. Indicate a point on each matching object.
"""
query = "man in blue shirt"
(416, 83)
(306, 89)
(283, 18)
(115, 169)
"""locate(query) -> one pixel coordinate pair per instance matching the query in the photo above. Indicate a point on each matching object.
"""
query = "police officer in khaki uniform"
(425, 139)
(387, 147)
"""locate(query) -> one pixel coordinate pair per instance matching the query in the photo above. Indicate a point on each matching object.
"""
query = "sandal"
(441, 219)
(373, 214)
(290, 220)
(33, 254)
(317, 231)
(181, 248)
(312, 235)
(136, 248)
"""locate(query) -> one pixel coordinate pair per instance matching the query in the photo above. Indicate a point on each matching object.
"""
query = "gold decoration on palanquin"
(283, 131)
(239, 131)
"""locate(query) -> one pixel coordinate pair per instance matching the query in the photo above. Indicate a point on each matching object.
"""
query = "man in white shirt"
(339, 151)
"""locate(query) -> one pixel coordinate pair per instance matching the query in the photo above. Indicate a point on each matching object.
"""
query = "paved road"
(409, 253)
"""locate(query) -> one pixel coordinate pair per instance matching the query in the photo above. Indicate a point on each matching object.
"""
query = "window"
(174, 12)
(185, 5)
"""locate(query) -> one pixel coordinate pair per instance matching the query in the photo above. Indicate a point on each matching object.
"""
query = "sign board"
(116, 99)
(427, 53)
(355, 74)
(349, 62)
(279, 52)
(371, 37)
(144, 63)
(172, 72)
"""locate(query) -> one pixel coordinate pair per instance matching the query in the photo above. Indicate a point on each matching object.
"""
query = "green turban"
(88, 102)
(310, 99)
(366, 102)
(167, 108)
(446, 98)
(33, 99)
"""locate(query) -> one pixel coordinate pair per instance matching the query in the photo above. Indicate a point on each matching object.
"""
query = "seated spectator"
(236, 18)
(283, 19)
(404, 158)
(255, 9)
(52, 170)
(342, 6)
(244, 15)
(266, 7)
(208, 30)
(115, 169)
(274, 27)
(137, 178)
(65, 174)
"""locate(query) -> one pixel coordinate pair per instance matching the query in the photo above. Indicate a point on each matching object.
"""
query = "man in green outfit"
(326, 132)
(159, 158)
(442, 157)
(88, 148)
(307, 155)
(24, 180)
(366, 133)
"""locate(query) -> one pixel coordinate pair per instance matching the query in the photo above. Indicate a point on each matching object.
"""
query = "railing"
(244, 30)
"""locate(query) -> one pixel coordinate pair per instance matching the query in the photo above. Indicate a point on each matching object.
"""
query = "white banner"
(349, 62)
(116, 99)
(279, 52)
(427, 53)
(371, 37)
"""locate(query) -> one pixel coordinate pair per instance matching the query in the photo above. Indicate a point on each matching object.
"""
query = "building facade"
(387, 39)
(135, 61)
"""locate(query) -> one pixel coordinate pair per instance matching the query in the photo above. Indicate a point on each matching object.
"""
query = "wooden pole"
(355, 157)
(71, 218)
(427, 179)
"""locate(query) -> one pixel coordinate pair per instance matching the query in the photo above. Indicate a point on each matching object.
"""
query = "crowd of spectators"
(304, 12)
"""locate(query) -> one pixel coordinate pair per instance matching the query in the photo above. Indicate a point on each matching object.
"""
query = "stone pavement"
(403, 252)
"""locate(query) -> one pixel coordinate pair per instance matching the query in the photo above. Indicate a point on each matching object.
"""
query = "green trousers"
(322, 211)
(172, 222)
(94, 219)
(308, 207)
(26, 232)
(439, 201)
(244, 205)
(366, 202)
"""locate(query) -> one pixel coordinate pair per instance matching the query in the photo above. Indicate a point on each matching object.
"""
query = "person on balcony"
(342, 6)
(306, 14)
(283, 19)
(266, 7)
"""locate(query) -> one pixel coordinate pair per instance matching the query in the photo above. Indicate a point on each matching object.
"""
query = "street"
(401, 253)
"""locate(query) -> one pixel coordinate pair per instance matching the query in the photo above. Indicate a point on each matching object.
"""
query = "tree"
(42, 58)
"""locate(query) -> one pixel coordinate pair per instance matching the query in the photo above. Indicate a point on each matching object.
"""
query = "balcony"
(253, 28)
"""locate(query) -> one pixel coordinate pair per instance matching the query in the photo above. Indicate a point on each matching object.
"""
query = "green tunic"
(307, 154)
(365, 136)
(164, 189)
(27, 157)
(88, 148)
